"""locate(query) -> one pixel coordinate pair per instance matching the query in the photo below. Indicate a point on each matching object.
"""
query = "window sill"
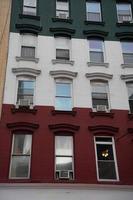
(91, 64)
(124, 24)
(94, 23)
(61, 61)
(63, 112)
(23, 109)
(36, 60)
(35, 17)
(101, 114)
(127, 65)
(56, 19)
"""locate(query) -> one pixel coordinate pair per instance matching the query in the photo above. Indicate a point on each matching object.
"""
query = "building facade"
(67, 115)
(5, 10)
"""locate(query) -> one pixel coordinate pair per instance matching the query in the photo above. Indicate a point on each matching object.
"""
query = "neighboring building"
(67, 123)
(5, 10)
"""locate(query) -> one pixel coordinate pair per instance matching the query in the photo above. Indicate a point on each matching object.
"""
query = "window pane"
(30, 3)
(63, 89)
(93, 7)
(123, 8)
(96, 57)
(99, 87)
(64, 145)
(27, 52)
(127, 47)
(103, 139)
(105, 152)
(93, 11)
(63, 103)
(20, 166)
(63, 163)
(106, 170)
(62, 54)
(96, 45)
(62, 5)
(22, 144)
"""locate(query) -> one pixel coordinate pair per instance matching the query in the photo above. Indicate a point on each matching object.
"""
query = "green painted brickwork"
(46, 11)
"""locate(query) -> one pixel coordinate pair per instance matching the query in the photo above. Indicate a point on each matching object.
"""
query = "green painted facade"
(46, 21)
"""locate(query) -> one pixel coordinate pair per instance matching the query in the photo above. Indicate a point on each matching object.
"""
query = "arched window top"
(103, 129)
(99, 76)
(63, 74)
(125, 35)
(59, 128)
(127, 77)
(95, 33)
(23, 126)
(67, 32)
(26, 72)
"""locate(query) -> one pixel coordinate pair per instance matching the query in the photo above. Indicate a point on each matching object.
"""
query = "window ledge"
(35, 17)
(124, 24)
(101, 114)
(36, 60)
(60, 61)
(130, 116)
(94, 22)
(90, 64)
(127, 65)
(23, 109)
(56, 19)
(64, 112)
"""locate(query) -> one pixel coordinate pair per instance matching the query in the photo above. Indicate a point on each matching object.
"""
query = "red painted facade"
(83, 125)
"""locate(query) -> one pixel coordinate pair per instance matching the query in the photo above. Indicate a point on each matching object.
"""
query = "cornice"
(26, 71)
(98, 75)
(63, 73)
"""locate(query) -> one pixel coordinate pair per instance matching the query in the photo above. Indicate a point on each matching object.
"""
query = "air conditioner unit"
(63, 15)
(101, 108)
(24, 103)
(64, 174)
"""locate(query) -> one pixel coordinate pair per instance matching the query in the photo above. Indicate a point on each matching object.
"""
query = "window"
(62, 48)
(29, 7)
(105, 158)
(96, 50)
(100, 95)
(27, 52)
(124, 12)
(64, 157)
(25, 92)
(127, 49)
(21, 156)
(93, 11)
(62, 9)
(130, 95)
(63, 100)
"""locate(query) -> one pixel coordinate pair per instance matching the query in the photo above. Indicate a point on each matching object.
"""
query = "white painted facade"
(42, 192)
(45, 89)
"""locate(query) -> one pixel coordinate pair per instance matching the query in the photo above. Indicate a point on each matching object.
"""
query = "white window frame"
(100, 11)
(32, 6)
(12, 155)
(127, 84)
(130, 54)
(130, 9)
(25, 78)
(107, 92)
(64, 81)
(59, 45)
(114, 154)
(62, 13)
(72, 156)
(97, 50)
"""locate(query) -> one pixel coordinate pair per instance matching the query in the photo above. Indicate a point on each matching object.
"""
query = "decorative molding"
(92, 33)
(56, 19)
(26, 71)
(62, 31)
(36, 60)
(22, 125)
(63, 73)
(67, 127)
(62, 112)
(90, 64)
(94, 23)
(124, 24)
(103, 128)
(60, 61)
(99, 75)
(123, 35)
(28, 28)
(127, 65)
(127, 77)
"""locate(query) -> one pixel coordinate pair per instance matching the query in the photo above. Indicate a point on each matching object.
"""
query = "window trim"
(115, 158)
(72, 156)
(11, 155)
